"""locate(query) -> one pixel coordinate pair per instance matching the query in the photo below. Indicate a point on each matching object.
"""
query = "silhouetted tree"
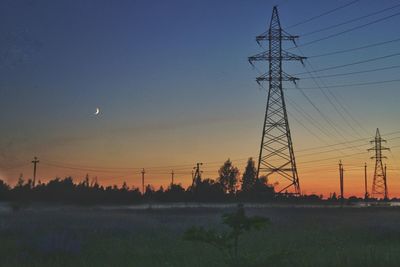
(158, 195)
(149, 192)
(86, 182)
(208, 190)
(4, 189)
(261, 191)
(20, 181)
(333, 197)
(125, 187)
(174, 193)
(228, 177)
(249, 176)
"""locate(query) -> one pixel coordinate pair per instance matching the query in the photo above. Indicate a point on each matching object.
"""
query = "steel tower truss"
(379, 185)
(276, 155)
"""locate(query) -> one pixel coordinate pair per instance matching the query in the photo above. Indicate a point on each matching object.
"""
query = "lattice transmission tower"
(276, 151)
(379, 184)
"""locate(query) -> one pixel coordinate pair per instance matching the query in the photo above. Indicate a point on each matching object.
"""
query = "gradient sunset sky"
(174, 87)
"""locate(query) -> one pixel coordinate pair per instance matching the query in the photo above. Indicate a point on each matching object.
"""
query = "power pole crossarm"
(267, 55)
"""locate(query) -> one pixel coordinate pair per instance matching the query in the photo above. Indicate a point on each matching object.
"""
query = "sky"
(174, 87)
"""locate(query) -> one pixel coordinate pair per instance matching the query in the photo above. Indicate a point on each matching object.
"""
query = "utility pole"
(196, 175)
(172, 177)
(35, 161)
(379, 185)
(365, 182)
(143, 172)
(276, 155)
(386, 196)
(341, 171)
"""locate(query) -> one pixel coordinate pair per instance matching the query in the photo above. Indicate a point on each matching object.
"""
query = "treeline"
(229, 186)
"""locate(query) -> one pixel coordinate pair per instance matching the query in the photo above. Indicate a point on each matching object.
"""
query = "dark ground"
(120, 236)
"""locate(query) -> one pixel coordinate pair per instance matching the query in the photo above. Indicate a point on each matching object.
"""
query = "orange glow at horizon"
(320, 180)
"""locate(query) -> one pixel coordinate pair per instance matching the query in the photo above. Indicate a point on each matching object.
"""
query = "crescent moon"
(97, 111)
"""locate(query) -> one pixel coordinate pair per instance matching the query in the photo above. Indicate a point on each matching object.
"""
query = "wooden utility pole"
(365, 181)
(143, 172)
(386, 192)
(341, 182)
(172, 177)
(35, 161)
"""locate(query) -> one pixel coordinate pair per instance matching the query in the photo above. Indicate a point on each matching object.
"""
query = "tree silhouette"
(4, 190)
(209, 190)
(174, 193)
(249, 176)
(89, 192)
(228, 177)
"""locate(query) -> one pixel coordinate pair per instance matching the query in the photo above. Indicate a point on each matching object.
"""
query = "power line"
(330, 123)
(81, 168)
(160, 171)
(329, 99)
(346, 31)
(352, 73)
(314, 148)
(312, 162)
(15, 167)
(354, 49)
(116, 168)
(153, 170)
(360, 125)
(350, 21)
(348, 85)
(352, 63)
(309, 118)
(323, 14)
(331, 158)
(334, 97)
(305, 127)
(346, 142)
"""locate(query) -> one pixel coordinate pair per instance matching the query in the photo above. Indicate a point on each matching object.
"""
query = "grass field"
(89, 236)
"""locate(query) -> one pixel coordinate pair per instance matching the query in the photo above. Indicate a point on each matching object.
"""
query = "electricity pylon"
(379, 185)
(276, 150)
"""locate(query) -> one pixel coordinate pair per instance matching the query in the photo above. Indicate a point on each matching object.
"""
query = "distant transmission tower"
(276, 150)
(379, 185)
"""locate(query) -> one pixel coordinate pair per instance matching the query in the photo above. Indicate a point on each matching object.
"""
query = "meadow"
(44, 235)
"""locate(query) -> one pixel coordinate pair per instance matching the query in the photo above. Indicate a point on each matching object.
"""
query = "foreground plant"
(228, 241)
